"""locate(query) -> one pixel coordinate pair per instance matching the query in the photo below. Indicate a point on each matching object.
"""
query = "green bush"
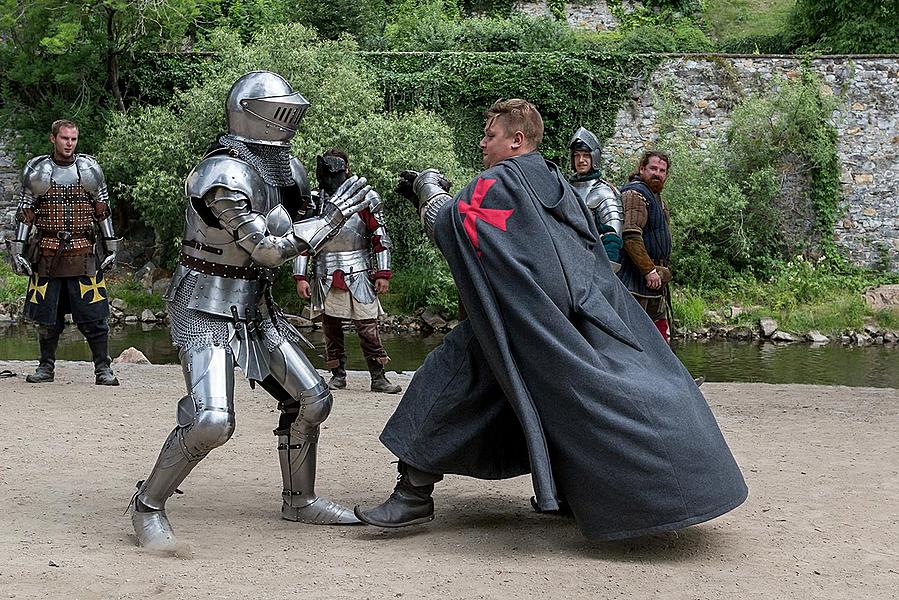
(688, 308)
(571, 89)
(846, 26)
(12, 286)
(792, 124)
(135, 296)
(425, 285)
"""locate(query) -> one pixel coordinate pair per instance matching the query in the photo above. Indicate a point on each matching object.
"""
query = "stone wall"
(594, 16)
(867, 121)
(9, 185)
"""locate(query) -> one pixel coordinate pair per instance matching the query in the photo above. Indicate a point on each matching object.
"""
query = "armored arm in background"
(94, 183)
(380, 240)
(18, 246)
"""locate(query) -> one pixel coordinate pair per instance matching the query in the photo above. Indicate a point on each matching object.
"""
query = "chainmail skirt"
(193, 329)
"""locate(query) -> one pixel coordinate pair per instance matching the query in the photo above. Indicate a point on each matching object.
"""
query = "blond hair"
(59, 124)
(518, 115)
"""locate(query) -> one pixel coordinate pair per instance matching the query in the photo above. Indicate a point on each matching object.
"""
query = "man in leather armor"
(647, 238)
(347, 276)
(245, 217)
(64, 242)
(599, 195)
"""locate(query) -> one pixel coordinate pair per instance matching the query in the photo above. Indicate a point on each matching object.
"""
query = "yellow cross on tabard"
(94, 287)
(36, 289)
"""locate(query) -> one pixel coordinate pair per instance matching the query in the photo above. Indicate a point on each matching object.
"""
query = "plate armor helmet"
(262, 108)
(583, 139)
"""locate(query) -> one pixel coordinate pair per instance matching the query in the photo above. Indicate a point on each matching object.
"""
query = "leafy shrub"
(773, 43)
(136, 297)
(846, 26)
(792, 124)
(688, 307)
(425, 285)
(12, 286)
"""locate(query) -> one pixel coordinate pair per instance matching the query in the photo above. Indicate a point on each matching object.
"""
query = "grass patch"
(735, 19)
(12, 286)
(688, 308)
(137, 298)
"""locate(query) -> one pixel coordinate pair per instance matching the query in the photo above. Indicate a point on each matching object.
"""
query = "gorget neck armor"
(272, 162)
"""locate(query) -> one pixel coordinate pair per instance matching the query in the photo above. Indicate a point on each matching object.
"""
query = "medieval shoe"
(106, 377)
(379, 381)
(382, 384)
(152, 528)
(564, 509)
(40, 375)
(337, 381)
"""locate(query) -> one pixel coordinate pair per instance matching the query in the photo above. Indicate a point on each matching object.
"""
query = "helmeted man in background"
(243, 219)
(64, 242)
(556, 371)
(647, 238)
(599, 195)
(348, 274)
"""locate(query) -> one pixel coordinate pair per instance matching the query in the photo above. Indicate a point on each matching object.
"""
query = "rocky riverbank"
(731, 326)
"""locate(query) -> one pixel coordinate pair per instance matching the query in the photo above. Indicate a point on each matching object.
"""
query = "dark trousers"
(93, 331)
(369, 339)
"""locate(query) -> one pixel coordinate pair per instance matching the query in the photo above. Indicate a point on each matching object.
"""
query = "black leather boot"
(102, 362)
(409, 504)
(379, 381)
(338, 376)
(47, 363)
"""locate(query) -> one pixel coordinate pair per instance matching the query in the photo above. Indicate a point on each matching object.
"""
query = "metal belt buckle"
(64, 235)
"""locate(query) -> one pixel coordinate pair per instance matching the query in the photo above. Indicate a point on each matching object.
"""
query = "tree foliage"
(61, 58)
(846, 26)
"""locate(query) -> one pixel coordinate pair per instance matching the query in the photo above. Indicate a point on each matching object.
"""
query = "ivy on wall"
(571, 89)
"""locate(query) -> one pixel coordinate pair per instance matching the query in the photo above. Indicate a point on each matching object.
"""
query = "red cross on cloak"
(472, 212)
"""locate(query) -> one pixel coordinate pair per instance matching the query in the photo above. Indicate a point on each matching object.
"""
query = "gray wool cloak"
(558, 372)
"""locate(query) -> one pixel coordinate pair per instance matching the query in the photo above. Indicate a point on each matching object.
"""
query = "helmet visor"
(283, 111)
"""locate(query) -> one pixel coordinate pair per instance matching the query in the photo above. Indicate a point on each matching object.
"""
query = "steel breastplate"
(352, 236)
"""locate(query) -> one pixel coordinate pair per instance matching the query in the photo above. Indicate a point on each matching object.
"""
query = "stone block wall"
(594, 16)
(9, 186)
(867, 121)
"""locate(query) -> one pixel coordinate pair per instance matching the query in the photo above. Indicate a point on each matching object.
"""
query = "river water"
(717, 360)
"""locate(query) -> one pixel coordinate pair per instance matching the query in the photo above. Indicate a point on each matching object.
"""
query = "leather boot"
(102, 361)
(379, 381)
(338, 376)
(47, 363)
(409, 504)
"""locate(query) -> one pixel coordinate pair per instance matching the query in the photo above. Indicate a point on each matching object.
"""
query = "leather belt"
(209, 268)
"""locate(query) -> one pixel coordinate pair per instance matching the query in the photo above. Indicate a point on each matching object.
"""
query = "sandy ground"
(822, 519)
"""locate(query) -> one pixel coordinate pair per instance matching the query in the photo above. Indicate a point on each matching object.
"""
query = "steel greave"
(297, 453)
(205, 421)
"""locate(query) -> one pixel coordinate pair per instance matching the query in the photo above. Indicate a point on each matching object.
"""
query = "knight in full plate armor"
(599, 195)
(244, 217)
(347, 275)
(64, 241)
